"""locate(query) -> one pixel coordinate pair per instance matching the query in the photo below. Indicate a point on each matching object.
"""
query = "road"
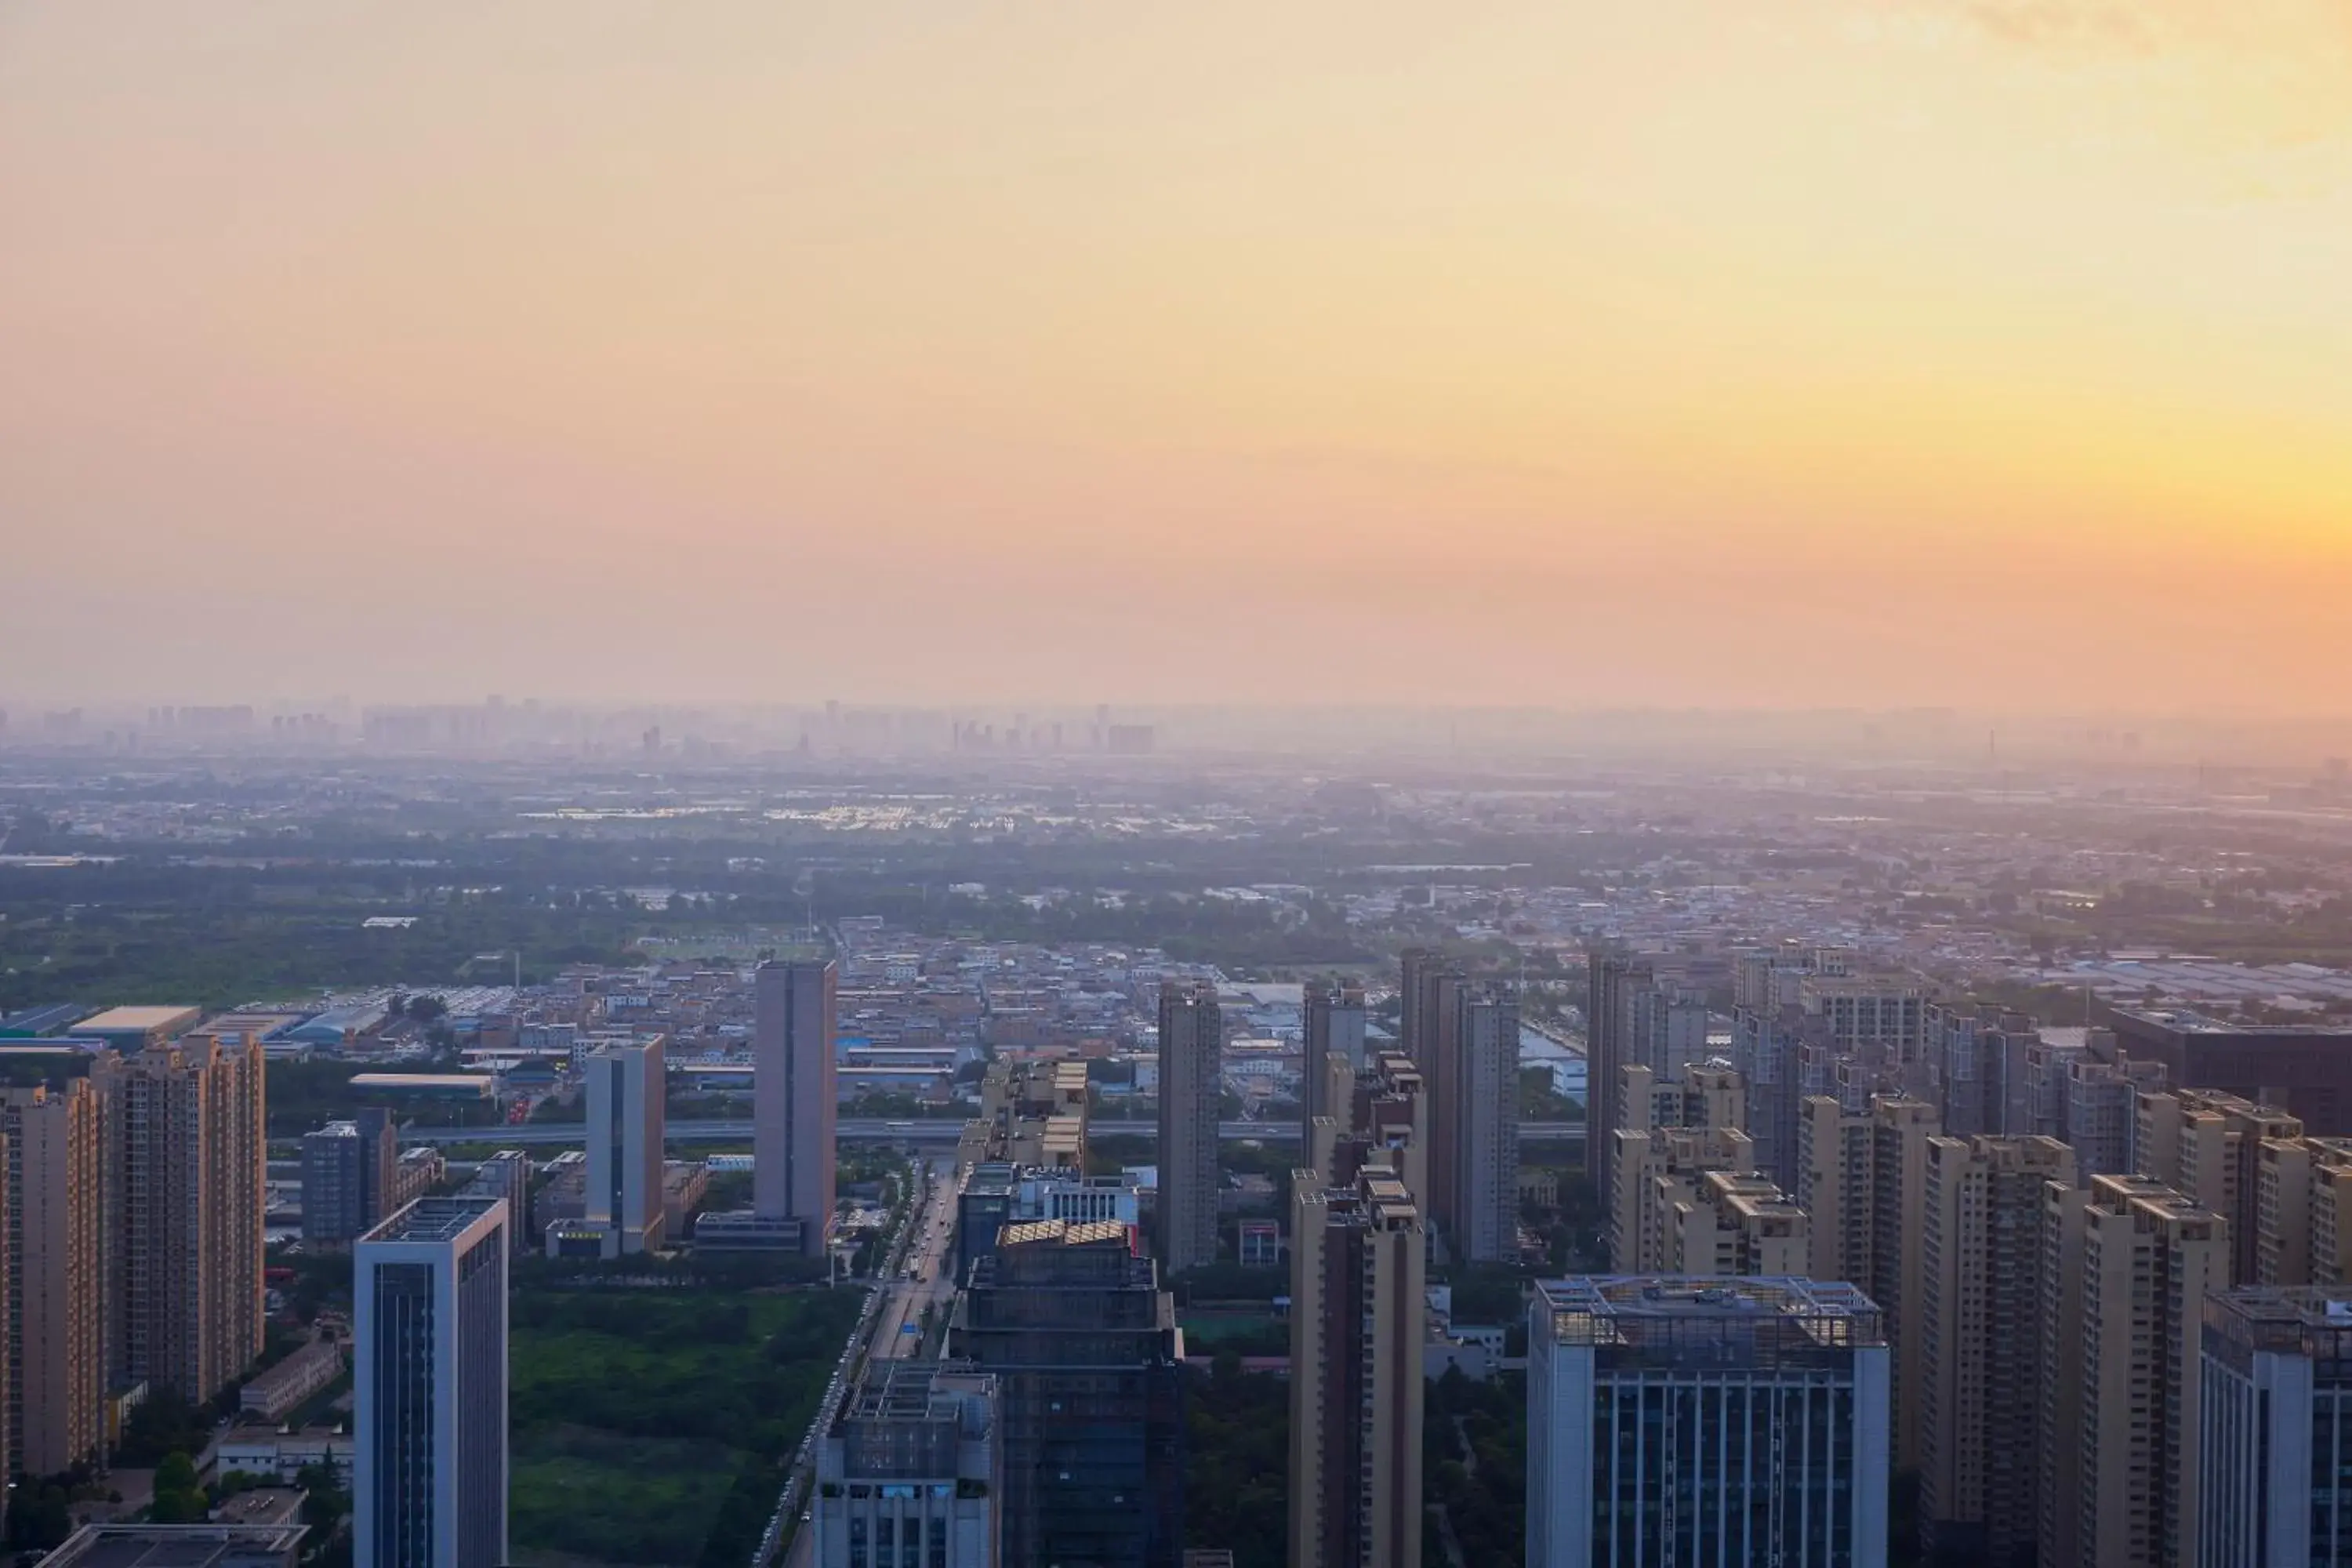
(920, 1249)
(937, 1129)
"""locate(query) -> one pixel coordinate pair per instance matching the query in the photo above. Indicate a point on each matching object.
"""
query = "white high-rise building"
(626, 1128)
(793, 1097)
(1684, 1421)
(2276, 1412)
(429, 1469)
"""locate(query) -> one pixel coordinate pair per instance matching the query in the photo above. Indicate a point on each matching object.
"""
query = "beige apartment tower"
(2126, 1266)
(193, 1196)
(2207, 1145)
(1655, 1169)
(1833, 1168)
(1977, 1314)
(1725, 1223)
(1359, 1271)
(2302, 1198)
(55, 1271)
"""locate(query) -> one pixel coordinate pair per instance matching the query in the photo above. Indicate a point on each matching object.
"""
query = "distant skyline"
(1836, 352)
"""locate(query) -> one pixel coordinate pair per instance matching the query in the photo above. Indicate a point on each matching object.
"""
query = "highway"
(913, 1276)
(930, 1130)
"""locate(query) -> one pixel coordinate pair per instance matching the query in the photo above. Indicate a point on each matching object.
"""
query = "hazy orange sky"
(1692, 352)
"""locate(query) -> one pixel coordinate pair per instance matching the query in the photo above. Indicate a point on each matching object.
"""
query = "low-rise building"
(277, 1392)
(179, 1546)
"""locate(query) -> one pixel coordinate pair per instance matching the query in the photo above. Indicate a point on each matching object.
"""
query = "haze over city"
(1883, 351)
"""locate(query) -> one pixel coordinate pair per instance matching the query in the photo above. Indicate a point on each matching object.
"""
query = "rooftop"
(177, 1546)
(434, 1219)
(139, 1020)
(1092, 1232)
(1663, 1311)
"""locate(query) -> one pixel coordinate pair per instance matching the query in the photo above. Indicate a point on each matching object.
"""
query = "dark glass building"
(1082, 1343)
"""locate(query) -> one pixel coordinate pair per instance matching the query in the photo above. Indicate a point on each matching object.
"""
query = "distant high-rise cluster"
(1463, 1034)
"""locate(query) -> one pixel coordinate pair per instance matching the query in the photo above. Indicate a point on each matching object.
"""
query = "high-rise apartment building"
(1875, 1021)
(1833, 1186)
(2101, 1114)
(1641, 1009)
(2126, 1265)
(1434, 988)
(1706, 1421)
(55, 1274)
(1082, 1343)
(1192, 1052)
(1764, 1051)
(1977, 1317)
(2302, 1201)
(1973, 1051)
(2275, 1464)
(1358, 1271)
(627, 1126)
(348, 1174)
(193, 1196)
(1729, 1222)
(1655, 1168)
(429, 1363)
(910, 1472)
(1332, 1020)
(1484, 1223)
(2208, 1146)
(1900, 1128)
(792, 1098)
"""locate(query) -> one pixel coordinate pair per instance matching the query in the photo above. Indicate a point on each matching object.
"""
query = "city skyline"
(1817, 331)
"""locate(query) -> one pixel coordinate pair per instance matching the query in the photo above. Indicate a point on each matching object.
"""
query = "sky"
(1691, 353)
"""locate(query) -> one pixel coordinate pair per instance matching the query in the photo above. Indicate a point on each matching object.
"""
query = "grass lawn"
(651, 1427)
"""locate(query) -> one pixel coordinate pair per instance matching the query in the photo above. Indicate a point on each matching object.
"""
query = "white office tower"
(429, 1469)
(2275, 1483)
(1682, 1423)
(910, 1472)
(792, 1098)
(626, 1127)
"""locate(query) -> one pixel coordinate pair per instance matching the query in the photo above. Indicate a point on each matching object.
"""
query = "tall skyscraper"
(1644, 1009)
(1082, 1343)
(2275, 1473)
(2126, 1264)
(347, 1173)
(1433, 987)
(627, 1123)
(429, 1361)
(1978, 1316)
(193, 1199)
(2101, 1108)
(1358, 1272)
(792, 1107)
(1833, 1185)
(1706, 1421)
(911, 1465)
(1484, 1223)
(1333, 1029)
(1192, 1047)
(1900, 1128)
(1657, 1167)
(55, 1274)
